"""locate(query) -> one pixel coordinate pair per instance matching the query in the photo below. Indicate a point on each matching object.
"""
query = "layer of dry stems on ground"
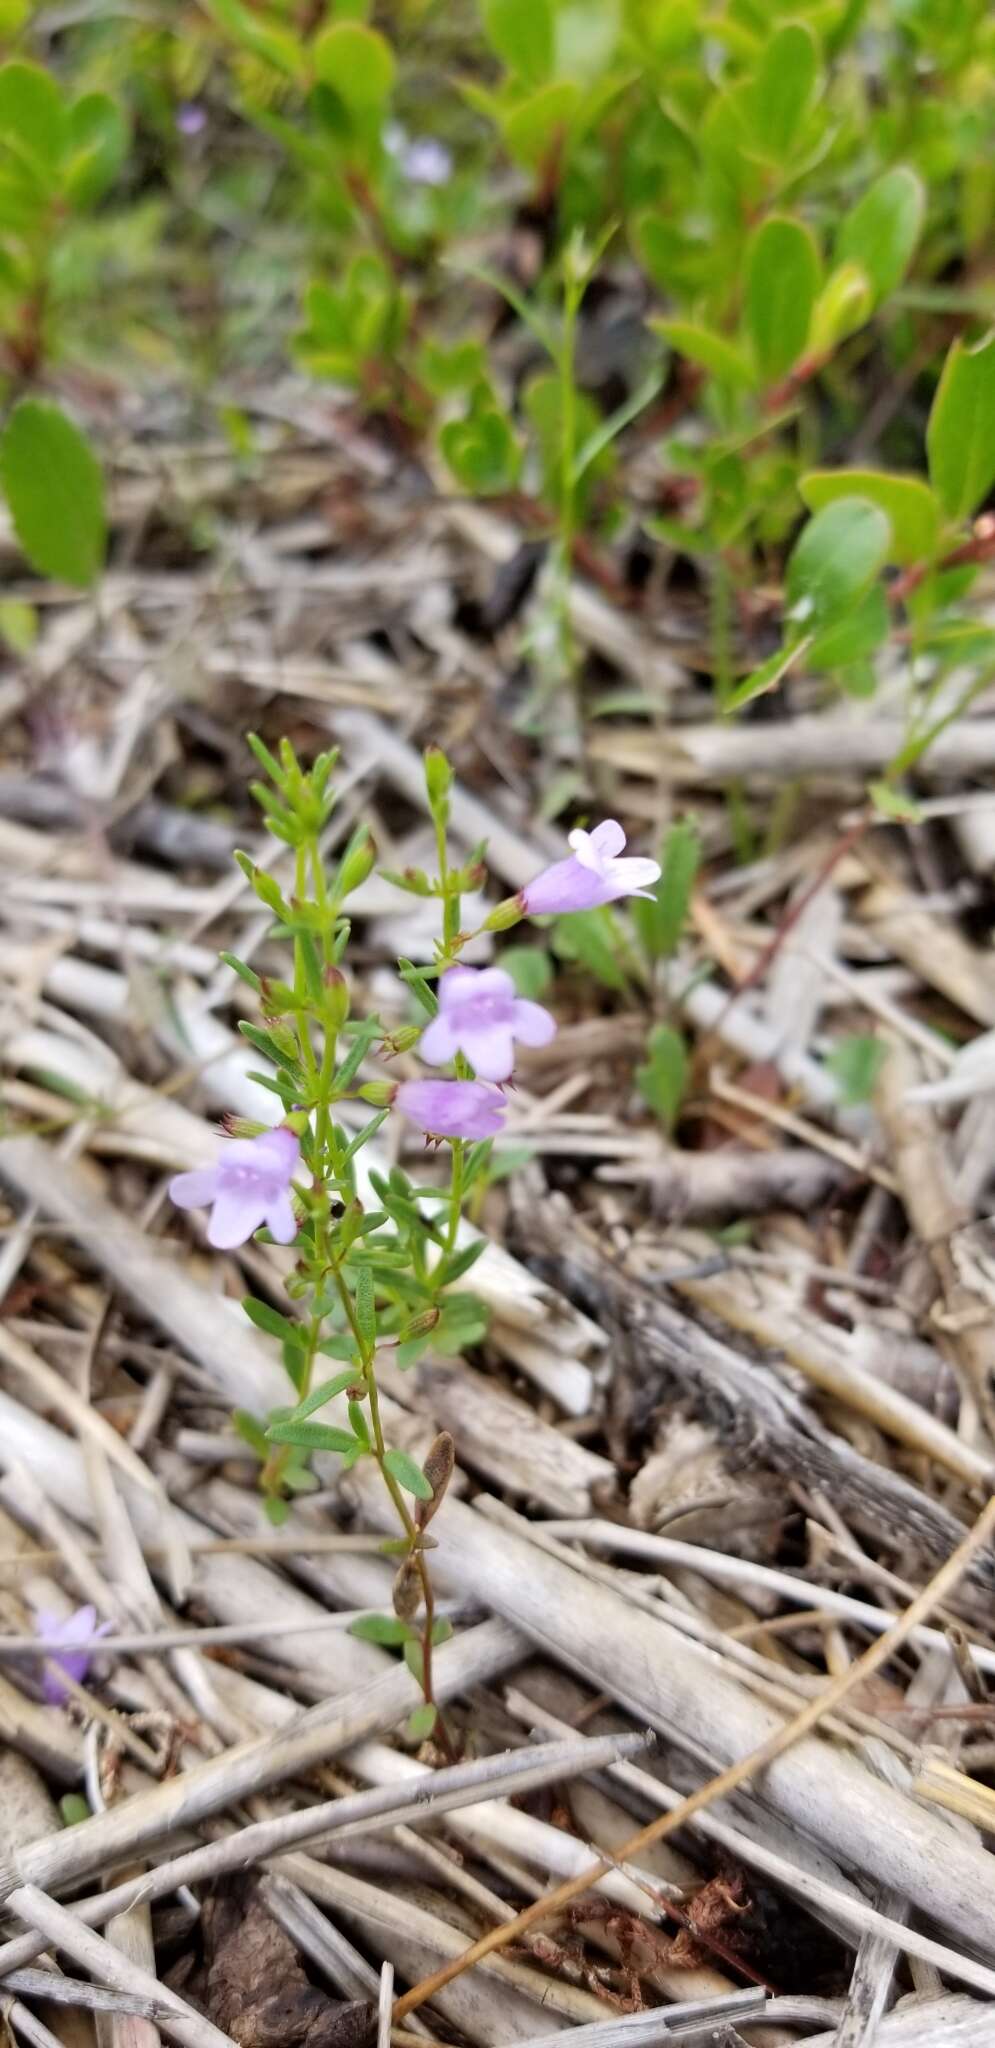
(699, 1474)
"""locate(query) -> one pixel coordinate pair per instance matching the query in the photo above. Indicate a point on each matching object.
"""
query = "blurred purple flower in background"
(481, 1015)
(452, 1109)
(71, 1644)
(593, 874)
(249, 1186)
(190, 118)
(422, 159)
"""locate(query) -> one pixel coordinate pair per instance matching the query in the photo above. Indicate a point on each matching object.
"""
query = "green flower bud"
(505, 915)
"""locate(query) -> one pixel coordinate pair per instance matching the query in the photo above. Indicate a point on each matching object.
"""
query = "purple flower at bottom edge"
(71, 1644)
(249, 1186)
(452, 1109)
(481, 1015)
(593, 874)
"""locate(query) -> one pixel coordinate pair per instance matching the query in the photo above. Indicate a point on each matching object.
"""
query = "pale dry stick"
(64, 1931)
(742, 1571)
(385, 2005)
(664, 2023)
(445, 1791)
(252, 1766)
(199, 1638)
(801, 1127)
(25, 2022)
(217, 1546)
(809, 1716)
(73, 1991)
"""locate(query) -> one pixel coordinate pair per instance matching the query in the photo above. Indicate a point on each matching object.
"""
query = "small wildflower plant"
(378, 1259)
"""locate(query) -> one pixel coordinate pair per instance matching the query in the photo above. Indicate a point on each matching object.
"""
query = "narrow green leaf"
(421, 1721)
(311, 1436)
(722, 358)
(275, 1325)
(407, 1474)
(960, 437)
(383, 1628)
(55, 489)
(663, 1078)
(320, 1396)
(660, 923)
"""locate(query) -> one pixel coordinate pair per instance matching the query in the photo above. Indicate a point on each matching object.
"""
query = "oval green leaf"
(782, 278)
(836, 559)
(357, 62)
(407, 1474)
(880, 233)
(906, 501)
(55, 489)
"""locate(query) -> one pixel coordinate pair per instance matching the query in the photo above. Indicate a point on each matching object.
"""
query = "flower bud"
(407, 1591)
(380, 1093)
(510, 912)
(438, 779)
(438, 1468)
(335, 997)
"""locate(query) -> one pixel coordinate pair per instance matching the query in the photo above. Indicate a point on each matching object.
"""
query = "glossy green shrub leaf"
(536, 129)
(783, 90)
(264, 38)
(32, 119)
(855, 636)
(663, 1078)
(54, 487)
(835, 559)
(720, 357)
(587, 33)
(357, 63)
(97, 145)
(660, 923)
(960, 438)
(907, 502)
(783, 273)
(521, 32)
(880, 233)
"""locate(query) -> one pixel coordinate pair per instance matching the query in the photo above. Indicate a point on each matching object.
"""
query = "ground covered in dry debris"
(733, 1410)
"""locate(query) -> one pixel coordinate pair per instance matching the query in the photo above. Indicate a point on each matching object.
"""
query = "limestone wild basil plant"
(378, 1259)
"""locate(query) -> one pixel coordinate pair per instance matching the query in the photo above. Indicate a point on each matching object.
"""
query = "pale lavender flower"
(71, 1644)
(249, 1186)
(480, 1015)
(191, 119)
(422, 158)
(594, 874)
(452, 1109)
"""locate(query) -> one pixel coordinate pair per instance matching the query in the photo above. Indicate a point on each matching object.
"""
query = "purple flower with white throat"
(71, 1645)
(452, 1109)
(249, 1186)
(481, 1015)
(594, 874)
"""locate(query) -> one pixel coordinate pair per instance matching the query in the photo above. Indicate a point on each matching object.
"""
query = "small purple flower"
(190, 118)
(422, 158)
(481, 1016)
(71, 1644)
(249, 1186)
(594, 874)
(452, 1109)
